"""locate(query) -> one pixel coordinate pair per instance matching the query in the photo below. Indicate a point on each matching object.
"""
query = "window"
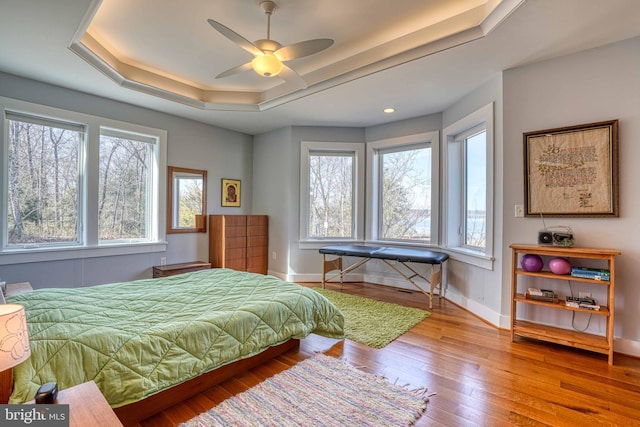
(331, 191)
(43, 186)
(402, 197)
(475, 190)
(125, 182)
(70, 180)
(468, 210)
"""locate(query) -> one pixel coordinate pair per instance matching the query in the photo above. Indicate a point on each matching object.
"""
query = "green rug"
(373, 323)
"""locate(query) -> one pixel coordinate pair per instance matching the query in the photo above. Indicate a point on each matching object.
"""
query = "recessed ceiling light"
(389, 110)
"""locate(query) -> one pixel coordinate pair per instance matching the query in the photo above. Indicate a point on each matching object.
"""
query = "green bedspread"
(137, 338)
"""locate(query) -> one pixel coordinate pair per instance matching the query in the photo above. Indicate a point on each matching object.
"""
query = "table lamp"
(14, 345)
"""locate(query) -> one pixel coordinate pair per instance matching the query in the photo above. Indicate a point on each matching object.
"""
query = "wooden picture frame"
(230, 195)
(572, 171)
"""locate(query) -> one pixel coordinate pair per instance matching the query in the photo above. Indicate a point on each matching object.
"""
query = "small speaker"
(46, 394)
(545, 238)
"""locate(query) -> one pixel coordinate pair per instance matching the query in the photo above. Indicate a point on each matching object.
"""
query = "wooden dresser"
(239, 242)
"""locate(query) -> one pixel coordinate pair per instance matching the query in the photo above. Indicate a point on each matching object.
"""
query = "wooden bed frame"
(135, 412)
(138, 411)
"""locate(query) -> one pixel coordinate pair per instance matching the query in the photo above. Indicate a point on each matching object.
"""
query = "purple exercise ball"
(559, 266)
(532, 263)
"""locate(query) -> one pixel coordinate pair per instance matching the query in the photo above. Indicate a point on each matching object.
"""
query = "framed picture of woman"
(230, 192)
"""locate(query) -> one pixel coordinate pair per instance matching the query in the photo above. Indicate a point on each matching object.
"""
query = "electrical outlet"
(519, 213)
(163, 261)
(274, 255)
(584, 294)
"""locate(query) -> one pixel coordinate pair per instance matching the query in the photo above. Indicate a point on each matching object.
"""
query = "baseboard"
(625, 346)
(490, 316)
(279, 275)
(312, 278)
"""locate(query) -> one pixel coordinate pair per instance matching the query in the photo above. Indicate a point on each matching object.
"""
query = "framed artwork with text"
(572, 171)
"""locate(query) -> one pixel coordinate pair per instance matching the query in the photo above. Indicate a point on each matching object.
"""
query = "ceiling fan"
(269, 55)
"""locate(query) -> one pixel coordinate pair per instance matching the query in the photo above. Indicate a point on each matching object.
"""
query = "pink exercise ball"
(531, 263)
(559, 266)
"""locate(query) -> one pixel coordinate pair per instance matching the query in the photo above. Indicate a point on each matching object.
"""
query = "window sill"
(403, 244)
(471, 257)
(20, 256)
(317, 244)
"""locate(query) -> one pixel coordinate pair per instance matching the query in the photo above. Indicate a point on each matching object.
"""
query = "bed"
(391, 257)
(142, 339)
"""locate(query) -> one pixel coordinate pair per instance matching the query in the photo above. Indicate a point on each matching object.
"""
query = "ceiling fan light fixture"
(269, 56)
(267, 65)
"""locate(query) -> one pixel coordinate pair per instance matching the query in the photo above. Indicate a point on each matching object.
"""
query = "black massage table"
(390, 256)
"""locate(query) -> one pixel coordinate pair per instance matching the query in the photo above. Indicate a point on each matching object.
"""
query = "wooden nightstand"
(87, 406)
(12, 289)
(185, 267)
(17, 288)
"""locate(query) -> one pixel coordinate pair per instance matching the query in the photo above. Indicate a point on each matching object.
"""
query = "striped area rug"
(320, 391)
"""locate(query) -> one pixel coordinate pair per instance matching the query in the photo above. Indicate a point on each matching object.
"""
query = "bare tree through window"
(124, 181)
(406, 194)
(331, 195)
(43, 182)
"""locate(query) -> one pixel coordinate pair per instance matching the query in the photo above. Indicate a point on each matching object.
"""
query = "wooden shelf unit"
(568, 337)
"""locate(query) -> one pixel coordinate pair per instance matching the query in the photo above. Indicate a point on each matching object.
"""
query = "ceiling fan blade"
(305, 48)
(236, 38)
(290, 76)
(234, 70)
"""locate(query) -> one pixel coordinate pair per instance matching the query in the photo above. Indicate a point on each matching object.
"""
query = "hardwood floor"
(478, 376)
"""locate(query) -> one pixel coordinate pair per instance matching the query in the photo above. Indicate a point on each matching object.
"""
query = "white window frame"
(90, 246)
(357, 151)
(430, 139)
(453, 187)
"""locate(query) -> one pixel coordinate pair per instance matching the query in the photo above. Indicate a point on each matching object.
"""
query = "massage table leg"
(336, 264)
(435, 280)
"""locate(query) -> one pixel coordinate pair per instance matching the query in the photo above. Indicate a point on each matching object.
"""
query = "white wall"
(477, 289)
(223, 153)
(273, 176)
(595, 85)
